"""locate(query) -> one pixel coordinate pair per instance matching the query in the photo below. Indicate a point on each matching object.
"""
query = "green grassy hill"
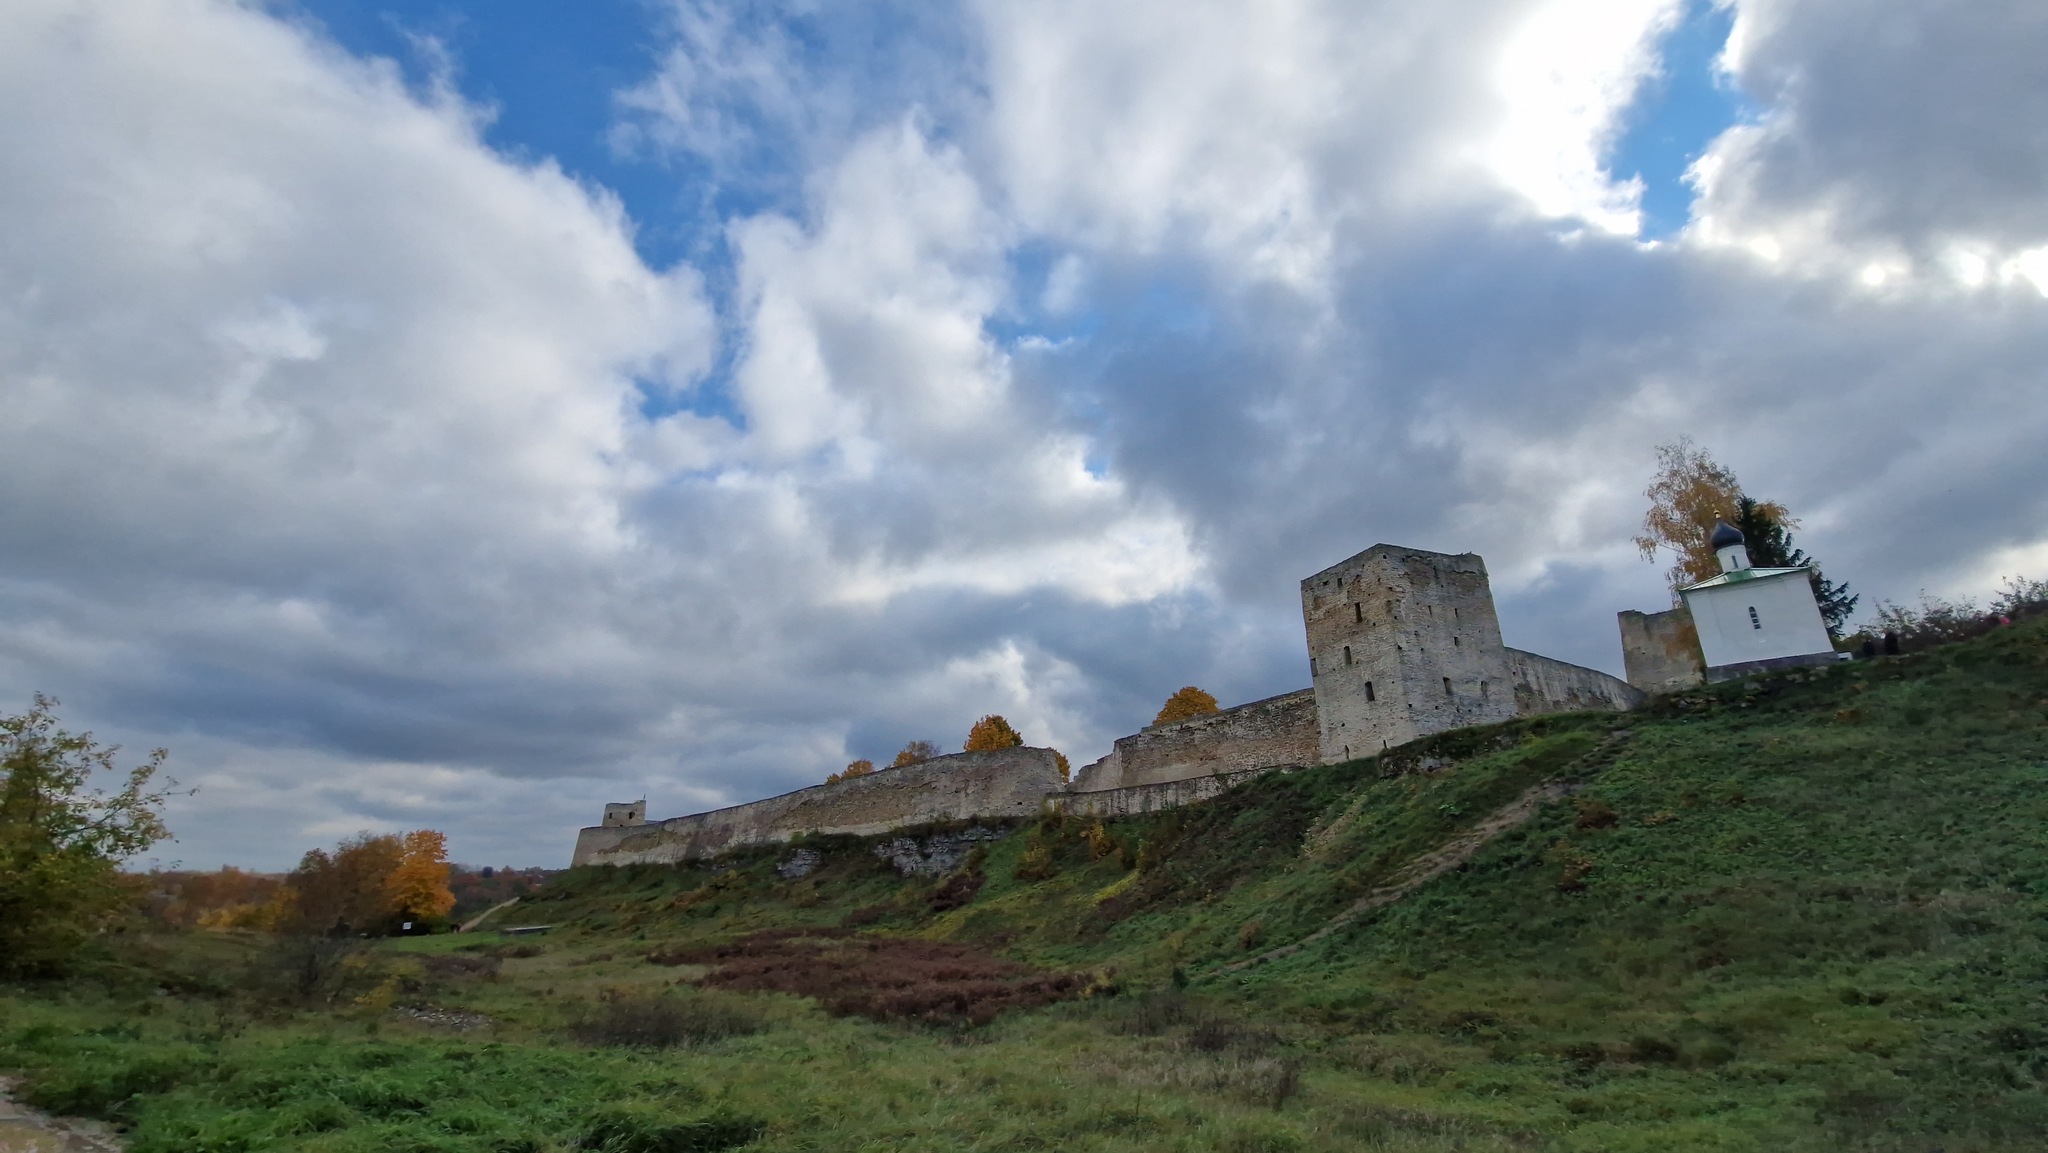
(1800, 912)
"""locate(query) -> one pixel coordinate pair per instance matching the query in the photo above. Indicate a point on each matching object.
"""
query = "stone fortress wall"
(1402, 643)
(999, 784)
(1545, 685)
(1276, 731)
(1661, 651)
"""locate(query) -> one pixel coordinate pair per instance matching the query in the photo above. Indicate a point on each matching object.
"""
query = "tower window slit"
(1447, 686)
(1368, 692)
(1357, 613)
(1347, 656)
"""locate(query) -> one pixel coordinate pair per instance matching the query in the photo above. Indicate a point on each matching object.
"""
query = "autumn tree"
(418, 888)
(1769, 542)
(1186, 702)
(1690, 492)
(227, 899)
(860, 768)
(992, 732)
(1066, 767)
(916, 752)
(368, 884)
(343, 891)
(62, 838)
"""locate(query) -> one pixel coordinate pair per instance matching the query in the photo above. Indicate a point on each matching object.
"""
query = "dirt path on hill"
(23, 1130)
(471, 924)
(1427, 867)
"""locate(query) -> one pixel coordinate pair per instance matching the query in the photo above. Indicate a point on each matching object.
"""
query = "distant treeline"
(367, 884)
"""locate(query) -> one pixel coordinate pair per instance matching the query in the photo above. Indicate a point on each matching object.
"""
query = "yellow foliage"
(263, 915)
(1186, 702)
(992, 732)
(1689, 493)
(1100, 843)
(1037, 863)
(381, 997)
(860, 768)
(1059, 759)
(419, 884)
(916, 752)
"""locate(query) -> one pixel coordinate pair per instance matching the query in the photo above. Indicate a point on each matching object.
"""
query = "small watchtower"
(620, 814)
(1402, 643)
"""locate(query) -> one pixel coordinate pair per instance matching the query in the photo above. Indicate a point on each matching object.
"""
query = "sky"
(462, 414)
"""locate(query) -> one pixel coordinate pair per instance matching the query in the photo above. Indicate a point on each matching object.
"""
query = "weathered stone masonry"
(1276, 731)
(1661, 651)
(1402, 643)
(998, 784)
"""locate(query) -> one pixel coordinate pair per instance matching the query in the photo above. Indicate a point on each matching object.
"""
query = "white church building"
(1752, 619)
(1745, 620)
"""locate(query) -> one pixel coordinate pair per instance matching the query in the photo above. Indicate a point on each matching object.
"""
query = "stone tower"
(1403, 643)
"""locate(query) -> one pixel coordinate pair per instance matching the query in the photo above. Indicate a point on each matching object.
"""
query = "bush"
(1037, 862)
(990, 733)
(958, 890)
(629, 1132)
(312, 969)
(107, 1084)
(882, 978)
(1594, 814)
(641, 1022)
(61, 839)
(1185, 703)
(1939, 622)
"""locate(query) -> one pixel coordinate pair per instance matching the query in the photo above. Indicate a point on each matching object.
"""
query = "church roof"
(1725, 534)
(1740, 576)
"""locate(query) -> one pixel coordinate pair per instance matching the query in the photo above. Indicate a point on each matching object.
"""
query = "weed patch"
(638, 1132)
(659, 1022)
(881, 978)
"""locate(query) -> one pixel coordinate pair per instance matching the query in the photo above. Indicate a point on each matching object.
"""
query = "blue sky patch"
(1676, 114)
(550, 70)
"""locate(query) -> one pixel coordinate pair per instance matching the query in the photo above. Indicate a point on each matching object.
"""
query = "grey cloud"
(326, 441)
(1925, 126)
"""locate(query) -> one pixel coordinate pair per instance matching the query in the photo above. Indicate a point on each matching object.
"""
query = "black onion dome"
(1725, 534)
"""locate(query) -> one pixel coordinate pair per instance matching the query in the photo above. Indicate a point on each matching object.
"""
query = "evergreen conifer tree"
(1770, 546)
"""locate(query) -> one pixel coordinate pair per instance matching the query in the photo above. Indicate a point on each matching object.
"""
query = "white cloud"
(1902, 137)
(328, 424)
(1564, 77)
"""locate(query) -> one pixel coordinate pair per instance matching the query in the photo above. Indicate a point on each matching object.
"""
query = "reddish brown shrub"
(1594, 814)
(958, 891)
(865, 915)
(883, 978)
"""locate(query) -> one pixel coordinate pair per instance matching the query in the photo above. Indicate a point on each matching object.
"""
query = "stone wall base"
(1718, 673)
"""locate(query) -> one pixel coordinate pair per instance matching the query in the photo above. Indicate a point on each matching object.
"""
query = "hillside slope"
(1805, 909)
(1802, 914)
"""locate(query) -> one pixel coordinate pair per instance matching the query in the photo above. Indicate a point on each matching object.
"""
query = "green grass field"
(1799, 913)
